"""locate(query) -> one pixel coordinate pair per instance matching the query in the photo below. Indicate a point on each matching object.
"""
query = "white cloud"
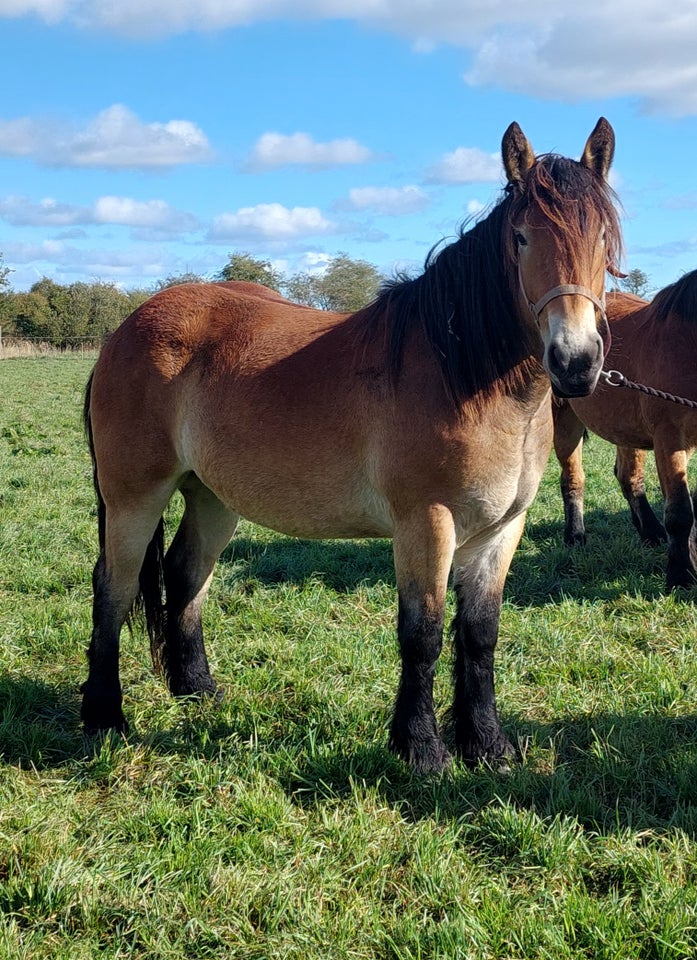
(115, 139)
(123, 211)
(423, 21)
(388, 201)
(269, 221)
(595, 51)
(274, 150)
(22, 212)
(155, 214)
(466, 165)
(49, 10)
(558, 49)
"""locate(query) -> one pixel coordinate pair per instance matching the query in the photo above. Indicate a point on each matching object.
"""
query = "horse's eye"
(519, 238)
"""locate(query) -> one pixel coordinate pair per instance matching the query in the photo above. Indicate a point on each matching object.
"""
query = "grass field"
(275, 824)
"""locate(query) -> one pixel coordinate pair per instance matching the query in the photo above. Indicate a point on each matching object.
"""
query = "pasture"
(276, 824)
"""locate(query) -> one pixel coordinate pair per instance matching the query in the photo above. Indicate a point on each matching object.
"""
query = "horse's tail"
(151, 581)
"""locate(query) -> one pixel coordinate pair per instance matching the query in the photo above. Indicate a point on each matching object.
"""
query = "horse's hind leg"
(128, 531)
(629, 470)
(205, 530)
(423, 551)
(479, 581)
(568, 446)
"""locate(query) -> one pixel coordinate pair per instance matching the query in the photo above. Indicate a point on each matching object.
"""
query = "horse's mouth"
(570, 394)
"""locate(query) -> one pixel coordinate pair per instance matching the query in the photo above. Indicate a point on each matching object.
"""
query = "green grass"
(275, 824)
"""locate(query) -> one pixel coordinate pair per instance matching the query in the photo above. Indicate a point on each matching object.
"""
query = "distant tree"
(30, 315)
(243, 266)
(5, 272)
(346, 285)
(303, 288)
(135, 297)
(175, 279)
(636, 282)
(5, 293)
(58, 324)
(64, 314)
(109, 305)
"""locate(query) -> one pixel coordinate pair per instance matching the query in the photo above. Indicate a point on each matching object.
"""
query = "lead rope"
(614, 378)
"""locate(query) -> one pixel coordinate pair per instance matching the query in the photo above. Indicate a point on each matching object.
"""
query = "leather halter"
(563, 290)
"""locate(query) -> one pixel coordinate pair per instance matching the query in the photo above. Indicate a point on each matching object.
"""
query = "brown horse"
(424, 417)
(653, 344)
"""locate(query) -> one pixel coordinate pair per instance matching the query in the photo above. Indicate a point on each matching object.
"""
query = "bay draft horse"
(424, 417)
(653, 344)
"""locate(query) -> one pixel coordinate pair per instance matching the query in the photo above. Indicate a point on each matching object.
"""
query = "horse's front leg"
(423, 552)
(630, 473)
(480, 575)
(568, 446)
(671, 466)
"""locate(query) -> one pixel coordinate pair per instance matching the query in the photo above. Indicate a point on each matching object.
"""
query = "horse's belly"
(314, 506)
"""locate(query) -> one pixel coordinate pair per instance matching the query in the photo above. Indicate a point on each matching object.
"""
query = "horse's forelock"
(563, 191)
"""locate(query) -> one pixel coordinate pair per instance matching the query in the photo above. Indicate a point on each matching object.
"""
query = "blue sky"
(141, 138)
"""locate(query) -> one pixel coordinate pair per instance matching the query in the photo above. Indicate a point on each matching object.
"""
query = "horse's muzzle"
(574, 373)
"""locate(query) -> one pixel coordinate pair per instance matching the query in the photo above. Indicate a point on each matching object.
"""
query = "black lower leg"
(478, 733)
(414, 732)
(183, 655)
(679, 520)
(101, 692)
(574, 528)
(647, 524)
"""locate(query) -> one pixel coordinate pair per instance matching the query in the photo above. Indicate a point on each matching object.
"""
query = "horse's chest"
(504, 473)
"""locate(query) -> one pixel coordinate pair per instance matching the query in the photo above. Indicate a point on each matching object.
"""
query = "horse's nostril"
(559, 357)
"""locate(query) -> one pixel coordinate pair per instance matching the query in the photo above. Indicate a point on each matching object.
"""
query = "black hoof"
(499, 754)
(199, 689)
(100, 713)
(680, 578)
(426, 757)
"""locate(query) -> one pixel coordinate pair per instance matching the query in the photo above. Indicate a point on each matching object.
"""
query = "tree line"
(64, 314)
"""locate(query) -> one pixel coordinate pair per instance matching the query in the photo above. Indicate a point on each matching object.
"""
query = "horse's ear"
(517, 154)
(600, 149)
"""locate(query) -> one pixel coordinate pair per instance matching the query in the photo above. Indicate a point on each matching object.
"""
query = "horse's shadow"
(612, 563)
(38, 723)
(599, 778)
(543, 568)
(341, 565)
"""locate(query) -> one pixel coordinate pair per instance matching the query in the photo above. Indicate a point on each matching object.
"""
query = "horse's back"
(258, 396)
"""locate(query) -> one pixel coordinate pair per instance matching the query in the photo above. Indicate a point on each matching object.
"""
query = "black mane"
(464, 302)
(679, 299)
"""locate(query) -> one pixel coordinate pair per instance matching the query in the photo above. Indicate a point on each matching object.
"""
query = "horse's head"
(563, 234)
